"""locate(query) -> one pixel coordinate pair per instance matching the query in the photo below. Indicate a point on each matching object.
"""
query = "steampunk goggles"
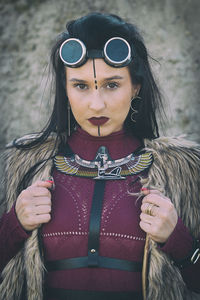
(116, 52)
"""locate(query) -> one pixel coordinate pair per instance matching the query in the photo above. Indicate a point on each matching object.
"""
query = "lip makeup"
(98, 121)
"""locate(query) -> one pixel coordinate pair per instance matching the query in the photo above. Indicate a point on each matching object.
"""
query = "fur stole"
(175, 172)
(27, 266)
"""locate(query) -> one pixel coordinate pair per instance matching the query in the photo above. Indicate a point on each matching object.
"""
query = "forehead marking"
(94, 69)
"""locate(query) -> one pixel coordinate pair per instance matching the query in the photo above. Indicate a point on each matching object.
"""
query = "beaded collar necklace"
(103, 166)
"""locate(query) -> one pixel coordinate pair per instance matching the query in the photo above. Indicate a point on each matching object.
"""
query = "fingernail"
(50, 181)
(144, 189)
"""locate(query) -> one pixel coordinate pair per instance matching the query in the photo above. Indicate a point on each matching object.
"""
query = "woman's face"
(99, 96)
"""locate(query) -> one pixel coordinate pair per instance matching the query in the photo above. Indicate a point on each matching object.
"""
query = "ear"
(136, 89)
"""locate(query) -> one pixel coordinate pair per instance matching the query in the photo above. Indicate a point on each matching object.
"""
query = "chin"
(94, 131)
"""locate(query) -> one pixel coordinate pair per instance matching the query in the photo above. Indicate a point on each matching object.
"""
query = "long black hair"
(94, 30)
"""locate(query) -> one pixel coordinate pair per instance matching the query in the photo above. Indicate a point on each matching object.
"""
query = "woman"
(114, 184)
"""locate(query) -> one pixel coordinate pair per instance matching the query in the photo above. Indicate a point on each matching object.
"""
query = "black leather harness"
(93, 259)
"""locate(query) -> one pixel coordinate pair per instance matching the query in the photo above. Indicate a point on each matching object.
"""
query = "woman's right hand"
(33, 205)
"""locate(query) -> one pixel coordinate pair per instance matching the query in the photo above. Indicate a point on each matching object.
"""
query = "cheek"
(125, 111)
(74, 100)
(79, 108)
(122, 106)
(70, 93)
(76, 109)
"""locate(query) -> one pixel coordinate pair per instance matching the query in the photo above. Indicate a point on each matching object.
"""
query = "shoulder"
(29, 138)
(18, 153)
(178, 148)
(21, 157)
(165, 143)
(175, 155)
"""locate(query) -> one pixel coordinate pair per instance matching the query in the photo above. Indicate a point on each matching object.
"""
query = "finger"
(42, 209)
(150, 208)
(145, 191)
(51, 180)
(42, 218)
(146, 218)
(42, 201)
(145, 226)
(37, 191)
(155, 192)
(156, 199)
(41, 183)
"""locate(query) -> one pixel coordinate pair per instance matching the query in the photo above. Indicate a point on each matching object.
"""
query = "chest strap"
(62, 294)
(93, 260)
(95, 223)
(102, 262)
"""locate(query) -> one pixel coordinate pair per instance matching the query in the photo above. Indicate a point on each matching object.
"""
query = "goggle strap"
(95, 53)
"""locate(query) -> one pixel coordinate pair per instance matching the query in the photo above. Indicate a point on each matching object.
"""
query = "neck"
(119, 144)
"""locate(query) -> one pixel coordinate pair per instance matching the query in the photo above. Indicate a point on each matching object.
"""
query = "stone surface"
(28, 28)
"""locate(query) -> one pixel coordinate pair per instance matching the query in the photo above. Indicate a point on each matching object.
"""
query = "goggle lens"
(72, 52)
(117, 51)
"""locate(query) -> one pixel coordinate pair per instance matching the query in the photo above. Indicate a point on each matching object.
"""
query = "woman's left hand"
(158, 217)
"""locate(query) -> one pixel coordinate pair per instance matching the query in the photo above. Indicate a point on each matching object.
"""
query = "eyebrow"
(105, 79)
(77, 80)
(114, 77)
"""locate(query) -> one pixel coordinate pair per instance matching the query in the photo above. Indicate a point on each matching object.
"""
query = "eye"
(112, 85)
(80, 86)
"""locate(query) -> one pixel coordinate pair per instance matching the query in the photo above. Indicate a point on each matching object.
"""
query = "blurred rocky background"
(28, 29)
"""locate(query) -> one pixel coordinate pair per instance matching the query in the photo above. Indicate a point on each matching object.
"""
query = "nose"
(96, 101)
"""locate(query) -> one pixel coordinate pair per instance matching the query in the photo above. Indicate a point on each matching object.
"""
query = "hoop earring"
(134, 111)
(68, 119)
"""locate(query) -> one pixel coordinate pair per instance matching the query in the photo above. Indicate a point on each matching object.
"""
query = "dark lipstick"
(98, 121)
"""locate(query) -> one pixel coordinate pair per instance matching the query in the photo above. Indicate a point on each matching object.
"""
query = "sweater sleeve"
(178, 247)
(12, 237)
